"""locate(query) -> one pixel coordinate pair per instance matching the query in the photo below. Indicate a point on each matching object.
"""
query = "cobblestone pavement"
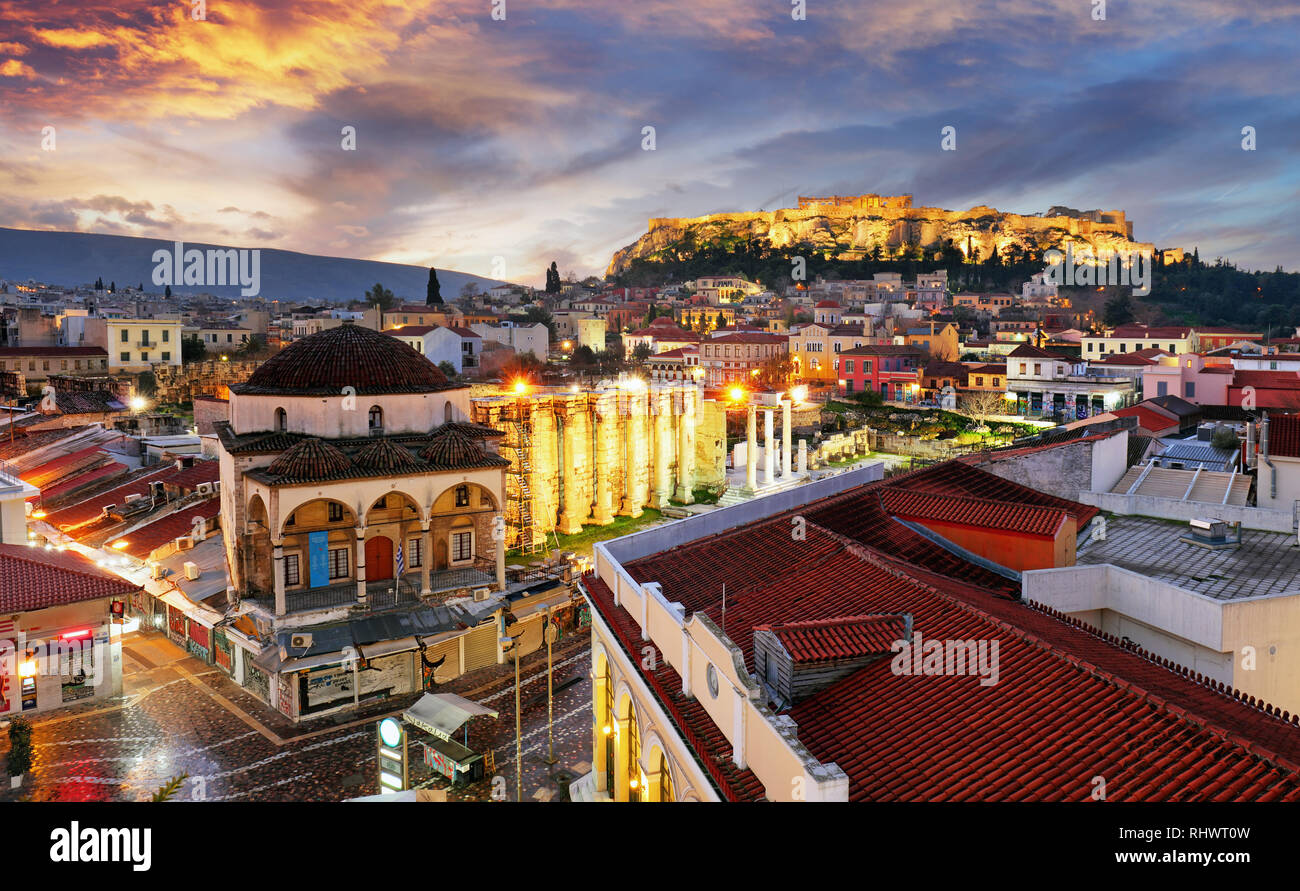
(178, 715)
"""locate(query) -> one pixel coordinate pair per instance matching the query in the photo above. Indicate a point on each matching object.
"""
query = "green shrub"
(20, 747)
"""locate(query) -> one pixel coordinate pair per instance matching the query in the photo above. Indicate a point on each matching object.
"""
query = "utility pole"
(550, 690)
(513, 649)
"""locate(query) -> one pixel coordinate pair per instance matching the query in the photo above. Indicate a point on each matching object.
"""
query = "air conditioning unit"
(136, 496)
(156, 571)
(481, 594)
(204, 488)
(300, 641)
(184, 542)
(191, 570)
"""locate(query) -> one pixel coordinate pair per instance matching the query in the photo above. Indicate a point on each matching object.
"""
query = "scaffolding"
(522, 533)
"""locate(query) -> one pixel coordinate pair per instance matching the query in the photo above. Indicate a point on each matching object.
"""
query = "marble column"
(686, 449)
(769, 448)
(277, 557)
(359, 558)
(501, 562)
(803, 457)
(574, 513)
(786, 470)
(426, 558)
(603, 463)
(751, 449)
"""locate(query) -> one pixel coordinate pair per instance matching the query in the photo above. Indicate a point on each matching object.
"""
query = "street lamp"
(511, 645)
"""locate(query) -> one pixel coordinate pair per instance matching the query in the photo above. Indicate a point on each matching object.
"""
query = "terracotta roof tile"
(1024, 518)
(1284, 436)
(346, 356)
(142, 541)
(32, 578)
(310, 459)
(826, 640)
(383, 454)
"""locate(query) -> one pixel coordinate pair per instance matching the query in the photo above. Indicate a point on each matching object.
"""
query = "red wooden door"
(379, 558)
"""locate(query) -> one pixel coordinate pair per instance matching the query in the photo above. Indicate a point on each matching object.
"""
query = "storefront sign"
(332, 684)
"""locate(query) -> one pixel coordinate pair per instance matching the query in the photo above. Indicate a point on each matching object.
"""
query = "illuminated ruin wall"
(584, 458)
(181, 383)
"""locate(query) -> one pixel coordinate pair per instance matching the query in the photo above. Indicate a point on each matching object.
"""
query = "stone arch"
(375, 420)
(291, 511)
(660, 770)
(281, 420)
(484, 498)
(253, 551)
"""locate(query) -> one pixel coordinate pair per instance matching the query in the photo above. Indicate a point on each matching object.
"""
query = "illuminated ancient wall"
(595, 455)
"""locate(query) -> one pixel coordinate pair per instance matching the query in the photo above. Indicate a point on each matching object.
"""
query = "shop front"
(442, 716)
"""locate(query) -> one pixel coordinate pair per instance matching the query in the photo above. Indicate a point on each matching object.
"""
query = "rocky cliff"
(851, 232)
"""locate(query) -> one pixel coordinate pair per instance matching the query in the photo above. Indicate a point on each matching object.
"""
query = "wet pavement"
(179, 716)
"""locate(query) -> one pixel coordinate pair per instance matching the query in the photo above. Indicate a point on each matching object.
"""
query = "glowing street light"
(139, 403)
(521, 387)
(799, 394)
(737, 394)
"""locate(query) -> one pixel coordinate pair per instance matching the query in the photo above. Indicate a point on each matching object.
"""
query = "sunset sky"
(522, 139)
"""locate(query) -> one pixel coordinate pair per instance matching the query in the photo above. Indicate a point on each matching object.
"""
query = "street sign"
(392, 756)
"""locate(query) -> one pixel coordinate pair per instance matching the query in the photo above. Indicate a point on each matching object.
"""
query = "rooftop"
(1265, 564)
(33, 578)
(323, 364)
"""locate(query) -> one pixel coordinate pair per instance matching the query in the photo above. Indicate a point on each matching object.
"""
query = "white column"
(426, 557)
(751, 449)
(785, 439)
(277, 556)
(501, 562)
(359, 558)
(803, 457)
(769, 449)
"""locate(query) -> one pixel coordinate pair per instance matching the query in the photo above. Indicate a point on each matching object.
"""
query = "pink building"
(1188, 376)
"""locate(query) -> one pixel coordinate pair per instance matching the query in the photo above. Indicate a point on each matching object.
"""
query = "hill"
(74, 258)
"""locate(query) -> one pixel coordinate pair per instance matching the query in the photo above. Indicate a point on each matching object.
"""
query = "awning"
(529, 607)
(388, 647)
(442, 714)
(178, 601)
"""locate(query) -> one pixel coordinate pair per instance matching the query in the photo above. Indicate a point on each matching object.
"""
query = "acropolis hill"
(850, 226)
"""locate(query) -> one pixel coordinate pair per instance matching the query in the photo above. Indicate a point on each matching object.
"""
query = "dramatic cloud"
(520, 141)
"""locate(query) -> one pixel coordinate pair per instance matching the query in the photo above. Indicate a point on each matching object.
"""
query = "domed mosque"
(353, 482)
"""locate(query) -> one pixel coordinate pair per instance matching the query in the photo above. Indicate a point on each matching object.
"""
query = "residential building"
(816, 348)
(735, 358)
(1134, 338)
(890, 370)
(660, 336)
(1048, 384)
(798, 698)
(135, 345)
(37, 364)
(523, 339)
(57, 644)
(1191, 376)
(939, 340)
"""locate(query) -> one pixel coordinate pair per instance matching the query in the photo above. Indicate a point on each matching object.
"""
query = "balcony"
(384, 593)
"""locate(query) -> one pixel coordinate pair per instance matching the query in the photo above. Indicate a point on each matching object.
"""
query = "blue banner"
(318, 558)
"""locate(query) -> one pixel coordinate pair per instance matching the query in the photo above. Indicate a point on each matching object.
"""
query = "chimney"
(1250, 444)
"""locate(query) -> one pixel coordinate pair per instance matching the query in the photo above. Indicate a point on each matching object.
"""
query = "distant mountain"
(74, 258)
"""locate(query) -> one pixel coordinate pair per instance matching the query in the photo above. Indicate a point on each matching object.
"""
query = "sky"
(496, 145)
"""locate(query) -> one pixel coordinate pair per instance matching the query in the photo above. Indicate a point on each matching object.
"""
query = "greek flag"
(401, 564)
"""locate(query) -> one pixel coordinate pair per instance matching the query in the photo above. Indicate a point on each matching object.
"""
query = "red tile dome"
(347, 356)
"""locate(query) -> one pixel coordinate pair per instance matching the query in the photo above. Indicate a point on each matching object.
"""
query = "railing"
(482, 571)
(327, 597)
(391, 592)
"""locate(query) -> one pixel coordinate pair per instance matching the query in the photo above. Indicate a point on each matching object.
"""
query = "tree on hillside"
(535, 314)
(776, 373)
(1118, 311)
(167, 292)
(553, 279)
(469, 291)
(381, 297)
(434, 291)
(192, 349)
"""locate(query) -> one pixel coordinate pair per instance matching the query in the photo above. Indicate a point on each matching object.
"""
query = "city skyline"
(522, 139)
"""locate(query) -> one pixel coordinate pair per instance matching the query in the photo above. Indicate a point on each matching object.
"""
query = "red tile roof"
(89, 509)
(73, 462)
(964, 511)
(75, 482)
(1271, 380)
(1138, 332)
(33, 578)
(1148, 419)
(1284, 436)
(828, 640)
(1027, 351)
(186, 478)
(144, 540)
(1069, 703)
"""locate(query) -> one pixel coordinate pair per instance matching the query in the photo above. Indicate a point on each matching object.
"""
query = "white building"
(523, 339)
